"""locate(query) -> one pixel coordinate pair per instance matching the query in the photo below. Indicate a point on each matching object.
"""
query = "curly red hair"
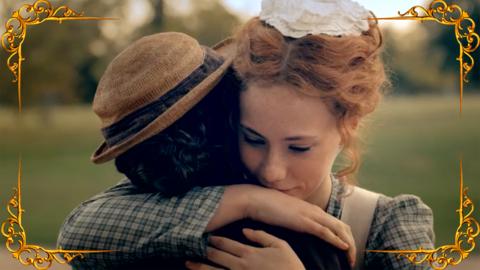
(346, 71)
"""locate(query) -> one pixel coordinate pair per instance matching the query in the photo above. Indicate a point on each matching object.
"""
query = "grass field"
(413, 145)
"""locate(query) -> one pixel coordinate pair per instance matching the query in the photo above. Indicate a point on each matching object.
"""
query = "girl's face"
(289, 141)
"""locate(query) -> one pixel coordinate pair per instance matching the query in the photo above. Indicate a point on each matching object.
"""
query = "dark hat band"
(139, 119)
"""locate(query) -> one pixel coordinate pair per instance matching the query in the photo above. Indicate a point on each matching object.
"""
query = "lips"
(280, 189)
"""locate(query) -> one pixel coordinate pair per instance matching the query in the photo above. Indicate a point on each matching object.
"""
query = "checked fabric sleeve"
(400, 223)
(139, 225)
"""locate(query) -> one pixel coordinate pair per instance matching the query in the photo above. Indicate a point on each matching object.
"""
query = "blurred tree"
(208, 20)
(157, 21)
(58, 57)
(412, 66)
(64, 62)
(423, 58)
(445, 41)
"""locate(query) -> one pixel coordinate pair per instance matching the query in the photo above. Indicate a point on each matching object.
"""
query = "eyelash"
(252, 141)
(299, 149)
(296, 149)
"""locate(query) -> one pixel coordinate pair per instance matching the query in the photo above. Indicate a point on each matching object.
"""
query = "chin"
(295, 192)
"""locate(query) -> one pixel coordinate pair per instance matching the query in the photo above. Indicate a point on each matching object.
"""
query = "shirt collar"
(334, 206)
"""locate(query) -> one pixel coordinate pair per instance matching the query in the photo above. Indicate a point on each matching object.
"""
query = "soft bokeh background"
(413, 143)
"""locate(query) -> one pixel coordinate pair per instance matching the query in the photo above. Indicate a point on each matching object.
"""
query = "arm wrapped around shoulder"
(139, 225)
(400, 223)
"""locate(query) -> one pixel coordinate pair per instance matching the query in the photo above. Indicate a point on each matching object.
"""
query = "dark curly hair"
(199, 149)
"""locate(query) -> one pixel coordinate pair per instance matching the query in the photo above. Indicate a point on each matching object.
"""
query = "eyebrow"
(293, 138)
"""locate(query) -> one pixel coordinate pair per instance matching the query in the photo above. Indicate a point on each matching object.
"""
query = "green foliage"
(208, 21)
(58, 65)
(65, 62)
(445, 40)
(423, 59)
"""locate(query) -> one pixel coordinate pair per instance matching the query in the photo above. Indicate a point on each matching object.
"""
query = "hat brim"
(105, 153)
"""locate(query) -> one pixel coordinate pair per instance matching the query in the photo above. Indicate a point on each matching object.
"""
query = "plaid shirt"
(145, 225)
(399, 223)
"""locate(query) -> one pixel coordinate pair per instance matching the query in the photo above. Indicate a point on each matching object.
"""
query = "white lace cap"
(298, 18)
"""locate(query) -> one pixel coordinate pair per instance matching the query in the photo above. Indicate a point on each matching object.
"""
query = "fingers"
(337, 233)
(223, 258)
(263, 238)
(199, 266)
(228, 245)
(339, 228)
(352, 255)
(326, 234)
(344, 232)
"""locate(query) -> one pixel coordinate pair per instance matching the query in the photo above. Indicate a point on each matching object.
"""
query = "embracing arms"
(139, 225)
(142, 225)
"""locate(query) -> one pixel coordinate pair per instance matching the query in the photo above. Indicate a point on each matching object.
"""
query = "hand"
(276, 208)
(275, 254)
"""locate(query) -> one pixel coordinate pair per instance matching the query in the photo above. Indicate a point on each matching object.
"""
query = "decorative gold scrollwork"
(452, 15)
(12, 41)
(41, 258)
(16, 32)
(468, 228)
(16, 237)
(465, 235)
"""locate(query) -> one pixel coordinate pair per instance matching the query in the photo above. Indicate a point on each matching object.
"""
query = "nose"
(272, 169)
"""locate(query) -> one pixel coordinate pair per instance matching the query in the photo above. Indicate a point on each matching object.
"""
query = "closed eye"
(299, 149)
(253, 141)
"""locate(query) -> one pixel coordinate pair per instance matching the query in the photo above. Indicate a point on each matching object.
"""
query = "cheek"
(250, 156)
(309, 171)
(312, 170)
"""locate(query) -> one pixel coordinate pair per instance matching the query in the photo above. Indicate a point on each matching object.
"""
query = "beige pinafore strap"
(357, 211)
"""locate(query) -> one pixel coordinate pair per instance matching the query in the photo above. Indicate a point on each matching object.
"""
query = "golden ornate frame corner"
(469, 228)
(42, 10)
(16, 32)
(12, 40)
(451, 15)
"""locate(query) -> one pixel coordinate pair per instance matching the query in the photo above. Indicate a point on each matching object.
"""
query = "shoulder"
(403, 216)
(394, 218)
(400, 223)
(404, 205)
(179, 222)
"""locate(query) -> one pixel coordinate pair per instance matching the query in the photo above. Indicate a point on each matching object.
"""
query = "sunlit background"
(413, 143)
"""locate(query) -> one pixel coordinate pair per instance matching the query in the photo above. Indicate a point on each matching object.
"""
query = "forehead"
(281, 105)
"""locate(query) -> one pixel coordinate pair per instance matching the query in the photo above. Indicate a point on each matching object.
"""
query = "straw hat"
(151, 84)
